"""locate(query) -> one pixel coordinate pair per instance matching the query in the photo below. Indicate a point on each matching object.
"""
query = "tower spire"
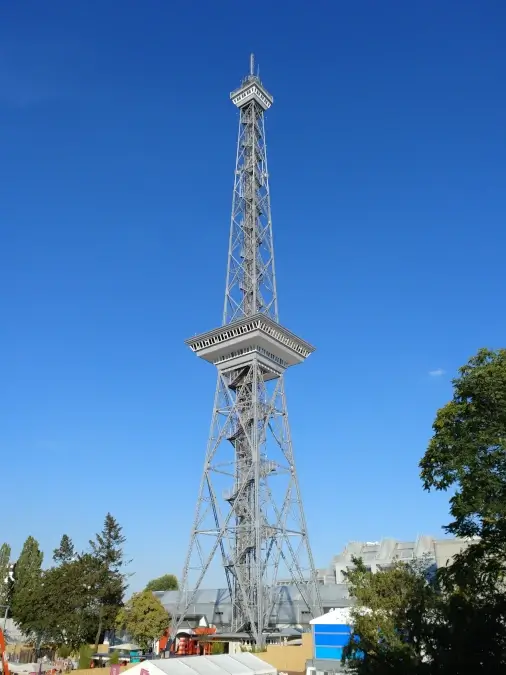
(251, 280)
(252, 64)
(249, 511)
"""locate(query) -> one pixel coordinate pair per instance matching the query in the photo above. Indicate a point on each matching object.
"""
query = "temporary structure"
(221, 664)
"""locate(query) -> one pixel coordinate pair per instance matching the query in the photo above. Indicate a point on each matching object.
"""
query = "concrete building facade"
(378, 555)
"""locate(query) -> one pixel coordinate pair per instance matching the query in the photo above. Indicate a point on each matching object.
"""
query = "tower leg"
(256, 527)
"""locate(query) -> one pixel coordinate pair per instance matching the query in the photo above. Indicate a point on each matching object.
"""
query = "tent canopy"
(340, 615)
(125, 647)
(221, 664)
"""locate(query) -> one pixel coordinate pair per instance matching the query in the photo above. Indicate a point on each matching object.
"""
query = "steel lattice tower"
(249, 510)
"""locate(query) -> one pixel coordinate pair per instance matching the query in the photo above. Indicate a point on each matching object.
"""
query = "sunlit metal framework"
(249, 511)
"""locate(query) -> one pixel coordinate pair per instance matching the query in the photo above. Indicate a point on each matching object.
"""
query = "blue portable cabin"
(331, 633)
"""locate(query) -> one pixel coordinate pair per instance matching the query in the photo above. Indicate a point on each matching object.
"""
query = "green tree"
(167, 582)
(65, 552)
(5, 583)
(107, 549)
(389, 618)
(467, 454)
(26, 586)
(66, 606)
(468, 449)
(144, 618)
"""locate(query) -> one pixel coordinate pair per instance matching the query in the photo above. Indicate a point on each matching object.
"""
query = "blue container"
(328, 653)
(329, 640)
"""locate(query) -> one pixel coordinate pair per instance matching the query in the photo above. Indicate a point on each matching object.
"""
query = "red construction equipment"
(188, 643)
(5, 664)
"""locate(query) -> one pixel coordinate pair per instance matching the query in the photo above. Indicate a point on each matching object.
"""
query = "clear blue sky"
(388, 165)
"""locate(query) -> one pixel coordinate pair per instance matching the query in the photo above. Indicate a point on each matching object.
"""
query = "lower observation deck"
(254, 337)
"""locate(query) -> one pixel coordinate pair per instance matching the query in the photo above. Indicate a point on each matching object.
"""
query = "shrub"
(64, 651)
(85, 654)
(114, 658)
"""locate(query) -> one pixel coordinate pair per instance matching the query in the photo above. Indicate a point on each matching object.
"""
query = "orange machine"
(5, 665)
(189, 644)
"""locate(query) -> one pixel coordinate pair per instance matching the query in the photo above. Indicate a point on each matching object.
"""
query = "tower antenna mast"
(249, 513)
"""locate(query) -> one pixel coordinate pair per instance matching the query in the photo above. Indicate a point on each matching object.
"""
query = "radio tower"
(249, 510)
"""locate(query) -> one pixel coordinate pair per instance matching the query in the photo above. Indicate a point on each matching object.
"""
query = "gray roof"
(289, 609)
(332, 592)
(221, 596)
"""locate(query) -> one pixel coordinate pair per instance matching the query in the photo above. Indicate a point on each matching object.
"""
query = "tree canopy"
(107, 550)
(67, 607)
(468, 449)
(144, 618)
(167, 582)
(388, 618)
(65, 552)
(5, 582)
(27, 583)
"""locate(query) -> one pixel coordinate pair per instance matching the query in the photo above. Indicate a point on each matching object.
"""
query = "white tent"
(340, 615)
(221, 664)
